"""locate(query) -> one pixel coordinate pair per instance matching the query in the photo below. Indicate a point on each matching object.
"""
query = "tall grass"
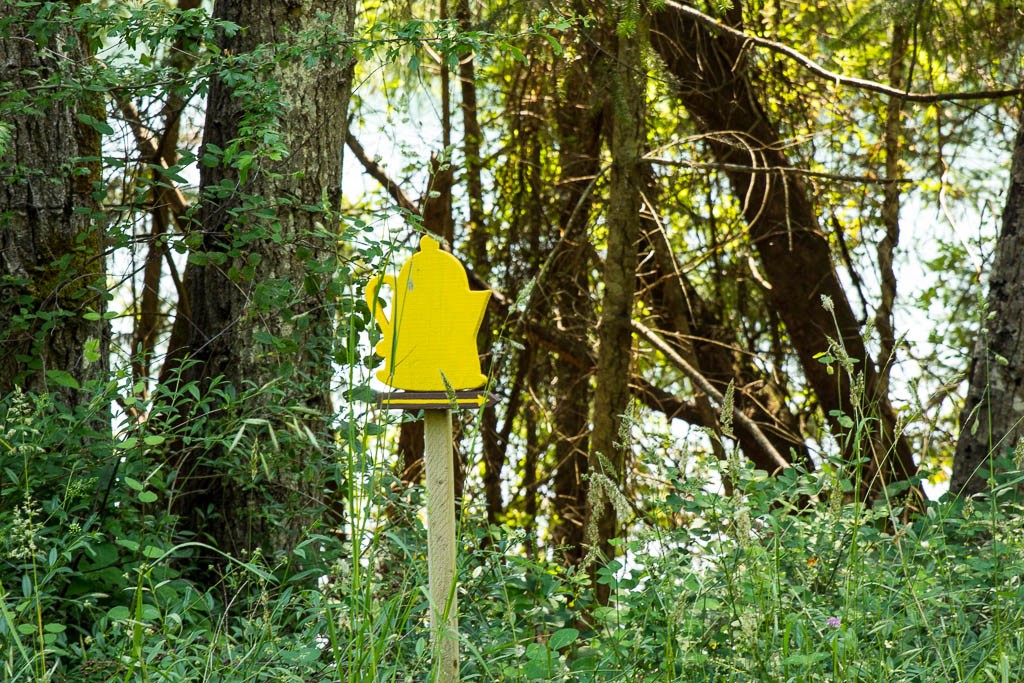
(709, 585)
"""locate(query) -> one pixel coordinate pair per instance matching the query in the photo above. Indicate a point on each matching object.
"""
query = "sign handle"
(441, 548)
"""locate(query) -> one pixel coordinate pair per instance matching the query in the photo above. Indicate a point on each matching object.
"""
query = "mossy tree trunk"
(259, 284)
(52, 265)
(609, 442)
(992, 420)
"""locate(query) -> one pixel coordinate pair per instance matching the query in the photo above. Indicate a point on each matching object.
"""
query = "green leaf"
(147, 497)
(806, 660)
(172, 174)
(101, 127)
(152, 552)
(150, 613)
(538, 666)
(62, 378)
(562, 637)
(91, 351)
(128, 543)
(555, 45)
(153, 440)
(118, 613)
(133, 483)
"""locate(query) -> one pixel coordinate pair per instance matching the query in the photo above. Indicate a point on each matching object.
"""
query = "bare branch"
(147, 143)
(781, 170)
(716, 26)
(378, 173)
(742, 421)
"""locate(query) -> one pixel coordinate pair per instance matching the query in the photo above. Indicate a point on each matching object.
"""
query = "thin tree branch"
(147, 144)
(742, 421)
(584, 356)
(716, 26)
(669, 404)
(781, 170)
(378, 173)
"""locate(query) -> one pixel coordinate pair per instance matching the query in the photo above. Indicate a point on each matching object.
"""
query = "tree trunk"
(579, 119)
(992, 417)
(609, 443)
(714, 85)
(698, 335)
(52, 265)
(161, 151)
(892, 141)
(258, 288)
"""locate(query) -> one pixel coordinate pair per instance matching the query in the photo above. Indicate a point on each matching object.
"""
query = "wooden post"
(428, 343)
(441, 544)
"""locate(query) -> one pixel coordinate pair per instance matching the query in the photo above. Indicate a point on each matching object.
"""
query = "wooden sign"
(429, 350)
(430, 330)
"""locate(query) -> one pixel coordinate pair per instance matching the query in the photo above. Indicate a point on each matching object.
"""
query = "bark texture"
(992, 420)
(609, 442)
(714, 83)
(258, 289)
(579, 119)
(52, 268)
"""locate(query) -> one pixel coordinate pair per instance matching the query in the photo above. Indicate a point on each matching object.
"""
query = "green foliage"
(92, 578)
(778, 580)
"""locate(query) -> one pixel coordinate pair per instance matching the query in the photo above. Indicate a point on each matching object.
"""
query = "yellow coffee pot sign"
(433, 323)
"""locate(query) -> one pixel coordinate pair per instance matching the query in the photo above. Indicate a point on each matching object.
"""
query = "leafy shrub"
(744, 586)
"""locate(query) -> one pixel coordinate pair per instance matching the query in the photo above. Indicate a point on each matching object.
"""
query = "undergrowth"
(745, 586)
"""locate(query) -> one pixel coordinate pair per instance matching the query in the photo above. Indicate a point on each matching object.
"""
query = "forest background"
(757, 290)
